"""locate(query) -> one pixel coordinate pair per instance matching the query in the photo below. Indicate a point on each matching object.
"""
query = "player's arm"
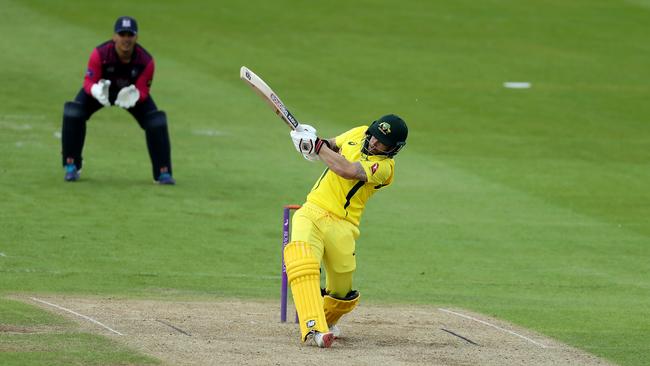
(93, 83)
(331, 143)
(339, 164)
(94, 71)
(143, 83)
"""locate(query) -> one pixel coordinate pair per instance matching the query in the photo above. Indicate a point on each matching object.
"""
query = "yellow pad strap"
(303, 273)
(335, 308)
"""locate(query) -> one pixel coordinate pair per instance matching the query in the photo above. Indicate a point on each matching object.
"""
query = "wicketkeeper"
(359, 163)
(120, 73)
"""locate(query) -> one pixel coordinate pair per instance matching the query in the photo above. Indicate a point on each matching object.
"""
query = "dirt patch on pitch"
(242, 332)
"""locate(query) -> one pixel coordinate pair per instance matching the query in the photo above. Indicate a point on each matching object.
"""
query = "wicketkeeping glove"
(99, 91)
(127, 97)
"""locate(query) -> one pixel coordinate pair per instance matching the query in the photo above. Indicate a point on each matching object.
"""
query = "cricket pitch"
(247, 332)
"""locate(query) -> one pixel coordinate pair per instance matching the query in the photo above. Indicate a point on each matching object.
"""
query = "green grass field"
(529, 205)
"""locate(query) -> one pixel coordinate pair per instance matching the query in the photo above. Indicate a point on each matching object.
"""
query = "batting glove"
(306, 128)
(311, 157)
(305, 142)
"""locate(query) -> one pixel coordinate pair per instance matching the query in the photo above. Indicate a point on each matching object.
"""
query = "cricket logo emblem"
(384, 127)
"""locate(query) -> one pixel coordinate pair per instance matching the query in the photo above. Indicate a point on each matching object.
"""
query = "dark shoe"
(71, 173)
(166, 179)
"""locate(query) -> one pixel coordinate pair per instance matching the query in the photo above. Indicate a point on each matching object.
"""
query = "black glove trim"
(319, 144)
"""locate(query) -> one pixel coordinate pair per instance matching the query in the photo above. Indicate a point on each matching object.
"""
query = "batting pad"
(336, 308)
(303, 273)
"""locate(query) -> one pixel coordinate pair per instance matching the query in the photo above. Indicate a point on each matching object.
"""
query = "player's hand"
(311, 157)
(305, 142)
(99, 91)
(318, 145)
(306, 128)
(127, 97)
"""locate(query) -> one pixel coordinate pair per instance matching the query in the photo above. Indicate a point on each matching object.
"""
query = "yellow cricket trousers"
(332, 240)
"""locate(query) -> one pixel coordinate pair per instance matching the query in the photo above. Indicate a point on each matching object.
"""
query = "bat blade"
(269, 96)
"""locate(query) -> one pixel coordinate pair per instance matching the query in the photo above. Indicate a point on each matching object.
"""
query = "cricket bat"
(269, 96)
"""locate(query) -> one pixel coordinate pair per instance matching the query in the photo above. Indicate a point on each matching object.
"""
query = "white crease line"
(209, 132)
(517, 84)
(22, 117)
(77, 314)
(493, 326)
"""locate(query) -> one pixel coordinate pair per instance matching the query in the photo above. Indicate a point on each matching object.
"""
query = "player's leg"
(339, 261)
(73, 132)
(302, 260)
(154, 124)
(336, 307)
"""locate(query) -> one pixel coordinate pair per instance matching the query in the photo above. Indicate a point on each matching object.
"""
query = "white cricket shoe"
(336, 331)
(323, 340)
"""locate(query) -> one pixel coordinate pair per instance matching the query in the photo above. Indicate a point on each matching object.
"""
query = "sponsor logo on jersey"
(121, 83)
(311, 323)
(374, 167)
(90, 73)
(384, 127)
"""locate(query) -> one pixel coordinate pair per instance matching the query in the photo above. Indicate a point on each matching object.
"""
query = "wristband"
(319, 144)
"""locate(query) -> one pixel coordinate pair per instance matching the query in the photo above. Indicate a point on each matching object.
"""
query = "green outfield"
(530, 205)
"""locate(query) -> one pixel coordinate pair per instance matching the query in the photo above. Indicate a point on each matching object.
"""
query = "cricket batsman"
(359, 163)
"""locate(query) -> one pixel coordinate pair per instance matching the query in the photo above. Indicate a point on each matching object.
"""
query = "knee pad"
(303, 273)
(155, 119)
(335, 308)
(73, 111)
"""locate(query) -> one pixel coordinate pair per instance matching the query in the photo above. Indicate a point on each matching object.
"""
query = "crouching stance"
(324, 231)
(119, 73)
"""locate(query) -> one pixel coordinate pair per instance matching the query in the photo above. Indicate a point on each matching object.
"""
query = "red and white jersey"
(104, 63)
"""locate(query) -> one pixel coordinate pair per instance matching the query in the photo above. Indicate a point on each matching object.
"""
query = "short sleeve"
(348, 135)
(378, 172)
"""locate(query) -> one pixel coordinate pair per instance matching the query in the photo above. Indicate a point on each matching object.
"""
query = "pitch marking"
(460, 336)
(77, 314)
(493, 326)
(173, 327)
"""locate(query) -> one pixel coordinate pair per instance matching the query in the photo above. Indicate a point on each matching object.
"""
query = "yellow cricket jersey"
(347, 198)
